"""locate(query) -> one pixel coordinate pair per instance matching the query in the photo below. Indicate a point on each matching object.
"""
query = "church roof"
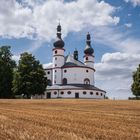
(70, 61)
(74, 86)
(69, 64)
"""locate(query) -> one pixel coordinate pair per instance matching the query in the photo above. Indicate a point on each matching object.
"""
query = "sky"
(114, 25)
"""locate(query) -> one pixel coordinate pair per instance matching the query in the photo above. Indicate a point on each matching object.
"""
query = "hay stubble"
(69, 120)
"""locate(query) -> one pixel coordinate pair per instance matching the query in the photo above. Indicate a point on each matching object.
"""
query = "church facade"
(68, 77)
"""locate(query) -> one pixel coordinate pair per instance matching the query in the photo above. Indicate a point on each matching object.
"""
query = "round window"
(69, 92)
(91, 93)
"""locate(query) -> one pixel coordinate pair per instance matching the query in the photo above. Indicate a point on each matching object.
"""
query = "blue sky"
(30, 25)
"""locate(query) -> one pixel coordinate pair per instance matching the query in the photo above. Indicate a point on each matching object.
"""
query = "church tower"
(58, 57)
(89, 57)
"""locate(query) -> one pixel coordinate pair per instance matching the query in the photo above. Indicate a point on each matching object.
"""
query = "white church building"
(68, 77)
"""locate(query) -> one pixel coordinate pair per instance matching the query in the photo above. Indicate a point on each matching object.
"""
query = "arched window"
(64, 81)
(49, 82)
(56, 52)
(86, 81)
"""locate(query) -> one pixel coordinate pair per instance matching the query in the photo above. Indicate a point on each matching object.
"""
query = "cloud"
(16, 57)
(114, 73)
(35, 45)
(116, 39)
(15, 20)
(36, 19)
(47, 65)
(32, 3)
(128, 25)
(134, 2)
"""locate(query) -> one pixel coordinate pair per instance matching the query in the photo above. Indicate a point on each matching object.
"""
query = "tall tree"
(29, 79)
(6, 72)
(136, 82)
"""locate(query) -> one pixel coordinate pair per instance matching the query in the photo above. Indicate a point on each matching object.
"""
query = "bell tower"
(58, 57)
(89, 57)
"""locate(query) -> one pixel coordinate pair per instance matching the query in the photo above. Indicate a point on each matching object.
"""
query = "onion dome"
(59, 43)
(88, 50)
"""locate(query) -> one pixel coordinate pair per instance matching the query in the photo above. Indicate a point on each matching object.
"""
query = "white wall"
(72, 95)
(58, 61)
(57, 76)
(58, 58)
(90, 61)
(78, 74)
(49, 76)
(59, 51)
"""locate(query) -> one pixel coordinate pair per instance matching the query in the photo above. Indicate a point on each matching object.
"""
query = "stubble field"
(69, 120)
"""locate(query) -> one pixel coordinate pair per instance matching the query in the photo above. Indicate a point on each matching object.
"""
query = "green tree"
(135, 88)
(7, 66)
(29, 78)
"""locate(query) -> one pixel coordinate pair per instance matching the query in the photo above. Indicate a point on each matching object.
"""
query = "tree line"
(26, 78)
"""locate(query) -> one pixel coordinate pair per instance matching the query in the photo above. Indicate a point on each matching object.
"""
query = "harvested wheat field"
(69, 120)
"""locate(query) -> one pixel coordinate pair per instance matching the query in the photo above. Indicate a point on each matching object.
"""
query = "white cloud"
(35, 45)
(38, 18)
(114, 73)
(128, 25)
(47, 65)
(15, 20)
(16, 57)
(134, 2)
(119, 41)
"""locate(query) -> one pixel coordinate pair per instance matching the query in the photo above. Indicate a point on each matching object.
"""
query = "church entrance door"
(76, 95)
(48, 95)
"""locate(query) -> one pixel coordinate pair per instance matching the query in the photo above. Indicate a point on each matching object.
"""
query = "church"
(68, 77)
